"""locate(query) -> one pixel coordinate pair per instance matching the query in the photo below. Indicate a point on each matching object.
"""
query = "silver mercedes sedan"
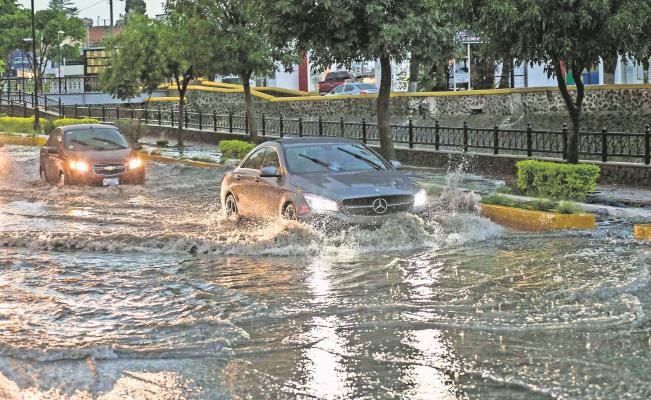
(319, 179)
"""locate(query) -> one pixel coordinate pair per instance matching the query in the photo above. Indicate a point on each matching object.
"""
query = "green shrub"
(74, 121)
(566, 207)
(161, 143)
(236, 149)
(557, 181)
(498, 200)
(133, 130)
(542, 204)
(19, 124)
(47, 126)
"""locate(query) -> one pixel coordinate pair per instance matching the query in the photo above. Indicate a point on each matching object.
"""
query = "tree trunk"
(414, 68)
(505, 77)
(610, 65)
(250, 112)
(179, 130)
(383, 116)
(574, 108)
(645, 69)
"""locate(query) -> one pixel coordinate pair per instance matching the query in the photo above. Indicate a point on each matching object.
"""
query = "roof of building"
(97, 33)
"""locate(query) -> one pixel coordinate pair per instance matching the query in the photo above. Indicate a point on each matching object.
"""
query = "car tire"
(63, 179)
(230, 205)
(42, 174)
(289, 212)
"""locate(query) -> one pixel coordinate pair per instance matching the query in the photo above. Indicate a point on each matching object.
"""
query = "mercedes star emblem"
(380, 205)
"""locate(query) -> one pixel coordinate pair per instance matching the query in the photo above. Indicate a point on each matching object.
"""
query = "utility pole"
(35, 66)
(111, 6)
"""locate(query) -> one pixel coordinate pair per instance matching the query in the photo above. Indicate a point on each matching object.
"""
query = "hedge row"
(234, 149)
(557, 181)
(20, 124)
(74, 121)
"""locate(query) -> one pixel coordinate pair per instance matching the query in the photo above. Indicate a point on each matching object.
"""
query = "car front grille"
(109, 169)
(378, 205)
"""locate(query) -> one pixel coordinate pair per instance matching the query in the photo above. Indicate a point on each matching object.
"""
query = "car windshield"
(332, 157)
(94, 139)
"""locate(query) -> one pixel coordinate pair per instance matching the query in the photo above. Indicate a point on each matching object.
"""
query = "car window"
(271, 158)
(349, 88)
(332, 157)
(365, 86)
(339, 89)
(95, 139)
(51, 141)
(255, 161)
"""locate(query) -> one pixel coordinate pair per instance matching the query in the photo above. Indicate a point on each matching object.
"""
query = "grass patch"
(561, 207)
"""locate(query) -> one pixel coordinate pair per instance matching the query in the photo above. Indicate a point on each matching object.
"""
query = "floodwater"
(148, 293)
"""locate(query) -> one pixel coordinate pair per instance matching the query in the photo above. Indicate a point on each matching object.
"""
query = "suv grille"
(109, 169)
(378, 205)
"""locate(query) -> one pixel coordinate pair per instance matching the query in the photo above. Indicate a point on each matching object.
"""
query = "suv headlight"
(319, 204)
(135, 163)
(79, 166)
(420, 199)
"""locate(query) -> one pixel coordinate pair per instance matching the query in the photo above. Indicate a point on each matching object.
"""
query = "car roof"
(294, 141)
(69, 128)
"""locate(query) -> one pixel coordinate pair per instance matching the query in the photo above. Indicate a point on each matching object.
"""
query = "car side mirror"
(137, 146)
(52, 150)
(269, 172)
(396, 164)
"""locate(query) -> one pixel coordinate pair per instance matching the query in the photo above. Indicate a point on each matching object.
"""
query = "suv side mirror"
(396, 164)
(137, 146)
(52, 150)
(269, 172)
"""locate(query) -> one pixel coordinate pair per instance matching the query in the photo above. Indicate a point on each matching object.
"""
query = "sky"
(99, 8)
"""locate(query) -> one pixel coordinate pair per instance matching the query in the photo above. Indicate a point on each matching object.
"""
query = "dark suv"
(90, 154)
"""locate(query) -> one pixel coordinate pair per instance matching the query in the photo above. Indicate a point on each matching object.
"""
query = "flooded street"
(147, 292)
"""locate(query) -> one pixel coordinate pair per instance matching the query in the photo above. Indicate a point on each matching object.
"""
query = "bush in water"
(557, 181)
(133, 130)
(20, 125)
(234, 149)
(74, 121)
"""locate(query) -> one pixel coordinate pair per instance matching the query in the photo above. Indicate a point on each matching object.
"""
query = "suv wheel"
(230, 205)
(289, 212)
(62, 179)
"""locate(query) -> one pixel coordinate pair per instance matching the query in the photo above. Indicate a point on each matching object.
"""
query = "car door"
(50, 155)
(349, 89)
(244, 181)
(269, 189)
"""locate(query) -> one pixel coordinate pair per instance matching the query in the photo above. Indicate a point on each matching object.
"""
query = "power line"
(92, 5)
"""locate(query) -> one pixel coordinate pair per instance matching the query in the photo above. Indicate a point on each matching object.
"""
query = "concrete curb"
(536, 220)
(170, 160)
(642, 231)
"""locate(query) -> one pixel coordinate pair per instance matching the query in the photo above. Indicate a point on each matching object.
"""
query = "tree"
(13, 21)
(567, 37)
(241, 43)
(66, 6)
(148, 53)
(135, 6)
(48, 24)
(345, 31)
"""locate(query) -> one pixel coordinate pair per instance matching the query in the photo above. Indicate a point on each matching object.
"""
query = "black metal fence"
(603, 145)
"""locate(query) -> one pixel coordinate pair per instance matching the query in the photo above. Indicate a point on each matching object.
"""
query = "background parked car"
(334, 79)
(353, 88)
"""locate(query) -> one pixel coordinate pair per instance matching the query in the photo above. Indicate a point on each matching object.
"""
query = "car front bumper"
(133, 176)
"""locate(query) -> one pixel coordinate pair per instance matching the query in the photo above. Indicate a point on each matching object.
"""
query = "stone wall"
(618, 109)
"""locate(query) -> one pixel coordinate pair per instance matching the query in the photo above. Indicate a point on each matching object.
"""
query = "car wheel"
(42, 174)
(230, 205)
(63, 180)
(289, 212)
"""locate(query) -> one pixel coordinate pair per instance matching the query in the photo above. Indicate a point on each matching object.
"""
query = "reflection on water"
(146, 292)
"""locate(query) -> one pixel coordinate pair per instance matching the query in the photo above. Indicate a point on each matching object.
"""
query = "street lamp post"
(35, 67)
(59, 33)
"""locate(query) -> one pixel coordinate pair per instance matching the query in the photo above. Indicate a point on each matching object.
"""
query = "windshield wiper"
(318, 162)
(116, 144)
(361, 157)
(86, 144)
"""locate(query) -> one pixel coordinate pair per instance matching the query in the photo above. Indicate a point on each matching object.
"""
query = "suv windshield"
(332, 157)
(94, 139)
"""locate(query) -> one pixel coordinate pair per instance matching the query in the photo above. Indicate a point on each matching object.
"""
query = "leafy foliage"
(561, 207)
(132, 130)
(19, 124)
(135, 6)
(234, 149)
(74, 121)
(557, 181)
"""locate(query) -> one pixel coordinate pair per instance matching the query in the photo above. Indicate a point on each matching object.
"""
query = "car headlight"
(135, 163)
(319, 204)
(79, 166)
(420, 199)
